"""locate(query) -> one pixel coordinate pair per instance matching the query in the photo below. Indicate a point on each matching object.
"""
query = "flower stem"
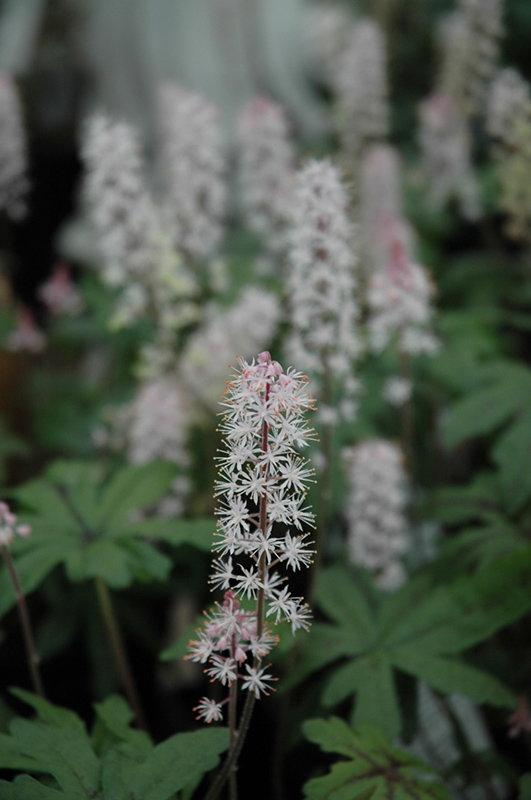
(31, 653)
(115, 639)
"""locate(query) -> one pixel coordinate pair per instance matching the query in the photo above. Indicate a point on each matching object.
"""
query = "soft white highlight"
(243, 329)
(361, 87)
(375, 510)
(400, 310)
(445, 147)
(193, 169)
(321, 284)
(266, 163)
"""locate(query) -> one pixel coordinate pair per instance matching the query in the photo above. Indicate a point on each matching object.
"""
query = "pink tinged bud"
(264, 357)
(10, 518)
(240, 655)
(24, 530)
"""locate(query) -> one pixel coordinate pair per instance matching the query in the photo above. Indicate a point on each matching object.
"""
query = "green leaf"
(419, 631)
(63, 752)
(374, 770)
(134, 488)
(77, 482)
(513, 457)
(376, 696)
(100, 559)
(26, 788)
(460, 504)
(197, 532)
(176, 762)
(115, 716)
(43, 501)
(32, 567)
(48, 712)
(341, 598)
(450, 676)
(115, 775)
(12, 758)
(525, 787)
(507, 391)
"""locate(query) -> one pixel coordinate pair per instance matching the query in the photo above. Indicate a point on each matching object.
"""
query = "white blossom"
(397, 390)
(509, 106)
(375, 510)
(14, 183)
(361, 87)
(244, 328)
(400, 311)
(445, 146)
(327, 29)
(137, 254)
(60, 294)
(9, 526)
(380, 207)
(266, 162)
(193, 170)
(121, 211)
(262, 482)
(469, 39)
(159, 423)
(321, 283)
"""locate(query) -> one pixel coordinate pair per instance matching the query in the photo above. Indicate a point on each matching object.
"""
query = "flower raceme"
(262, 486)
(9, 526)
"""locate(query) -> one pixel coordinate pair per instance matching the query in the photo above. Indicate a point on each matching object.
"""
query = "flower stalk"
(9, 527)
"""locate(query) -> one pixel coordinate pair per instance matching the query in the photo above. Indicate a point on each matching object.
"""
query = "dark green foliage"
(85, 520)
(421, 630)
(375, 770)
(116, 762)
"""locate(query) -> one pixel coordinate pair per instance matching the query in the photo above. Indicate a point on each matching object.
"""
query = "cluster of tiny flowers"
(137, 255)
(153, 426)
(470, 47)
(361, 87)
(509, 106)
(26, 337)
(399, 300)
(9, 527)
(60, 294)
(321, 284)
(193, 171)
(509, 124)
(262, 485)
(375, 510)
(249, 325)
(397, 390)
(159, 419)
(121, 211)
(327, 28)
(445, 147)
(14, 183)
(380, 206)
(266, 161)
(229, 637)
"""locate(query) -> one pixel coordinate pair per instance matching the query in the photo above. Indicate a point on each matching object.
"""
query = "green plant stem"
(233, 788)
(232, 758)
(113, 631)
(31, 653)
